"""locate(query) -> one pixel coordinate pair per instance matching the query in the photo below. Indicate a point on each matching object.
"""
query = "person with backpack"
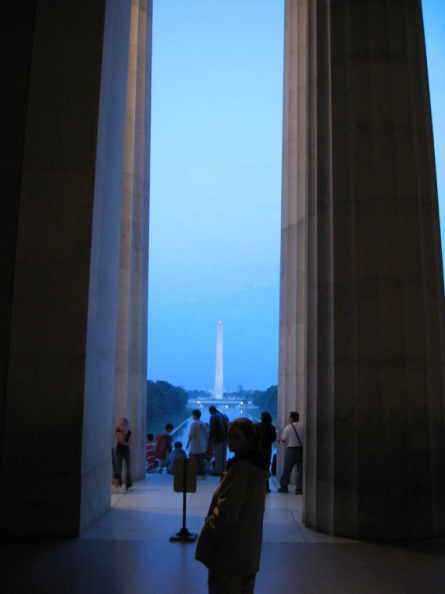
(293, 438)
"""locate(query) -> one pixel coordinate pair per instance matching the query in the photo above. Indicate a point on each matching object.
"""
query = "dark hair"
(150, 437)
(266, 417)
(212, 409)
(178, 444)
(250, 430)
(196, 413)
(294, 416)
(168, 426)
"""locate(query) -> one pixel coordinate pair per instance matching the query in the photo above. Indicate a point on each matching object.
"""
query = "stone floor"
(128, 551)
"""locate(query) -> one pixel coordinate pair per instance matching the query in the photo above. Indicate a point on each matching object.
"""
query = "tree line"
(267, 399)
(164, 398)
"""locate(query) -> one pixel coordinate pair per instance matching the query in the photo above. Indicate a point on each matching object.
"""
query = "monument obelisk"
(218, 391)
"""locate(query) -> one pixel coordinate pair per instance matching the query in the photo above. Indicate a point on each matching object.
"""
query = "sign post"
(184, 470)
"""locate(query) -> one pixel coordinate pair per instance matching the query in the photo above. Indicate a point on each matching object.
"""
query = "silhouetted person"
(218, 437)
(268, 434)
(230, 541)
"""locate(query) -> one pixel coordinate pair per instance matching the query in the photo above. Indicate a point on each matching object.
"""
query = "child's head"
(178, 445)
(150, 437)
(169, 427)
(242, 434)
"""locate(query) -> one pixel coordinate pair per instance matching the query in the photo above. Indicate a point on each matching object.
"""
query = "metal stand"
(183, 535)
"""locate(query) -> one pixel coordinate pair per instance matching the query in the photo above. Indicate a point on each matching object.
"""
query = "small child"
(178, 452)
(150, 453)
(163, 446)
(209, 459)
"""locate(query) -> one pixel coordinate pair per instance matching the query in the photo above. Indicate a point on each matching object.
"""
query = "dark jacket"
(231, 538)
(268, 434)
(218, 427)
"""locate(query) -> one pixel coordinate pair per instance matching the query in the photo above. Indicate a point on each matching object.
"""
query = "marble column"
(130, 385)
(293, 269)
(362, 319)
(70, 159)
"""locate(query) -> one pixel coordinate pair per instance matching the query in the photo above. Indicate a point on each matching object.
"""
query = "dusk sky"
(215, 190)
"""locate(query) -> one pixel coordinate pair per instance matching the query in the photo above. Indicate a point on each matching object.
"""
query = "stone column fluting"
(293, 273)
(131, 341)
(360, 176)
(75, 314)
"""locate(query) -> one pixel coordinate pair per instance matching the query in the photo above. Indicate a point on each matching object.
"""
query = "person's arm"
(123, 438)
(190, 437)
(284, 436)
(229, 503)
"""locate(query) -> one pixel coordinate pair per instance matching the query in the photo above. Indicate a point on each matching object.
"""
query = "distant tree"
(266, 400)
(163, 398)
(154, 400)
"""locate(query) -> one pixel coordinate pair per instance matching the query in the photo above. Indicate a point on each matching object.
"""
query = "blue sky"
(215, 186)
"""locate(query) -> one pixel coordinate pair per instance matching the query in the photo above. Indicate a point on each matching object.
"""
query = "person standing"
(197, 441)
(218, 436)
(163, 446)
(293, 438)
(122, 454)
(268, 434)
(229, 544)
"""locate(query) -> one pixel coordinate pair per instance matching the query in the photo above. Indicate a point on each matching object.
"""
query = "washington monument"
(218, 391)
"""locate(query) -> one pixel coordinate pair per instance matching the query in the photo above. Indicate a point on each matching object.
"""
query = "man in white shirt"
(198, 436)
(293, 438)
